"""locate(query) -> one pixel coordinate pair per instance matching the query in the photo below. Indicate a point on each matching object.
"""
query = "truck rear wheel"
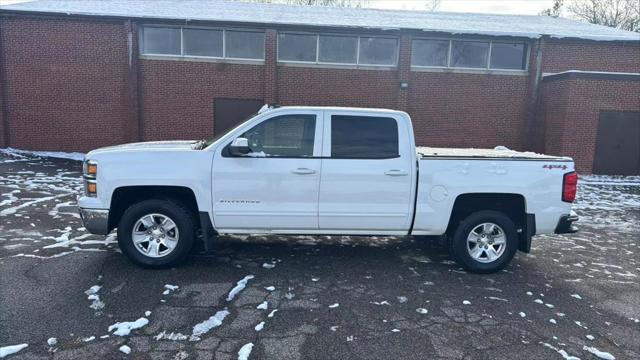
(484, 242)
(156, 233)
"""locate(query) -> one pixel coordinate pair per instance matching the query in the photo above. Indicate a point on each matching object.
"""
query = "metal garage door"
(618, 143)
(230, 112)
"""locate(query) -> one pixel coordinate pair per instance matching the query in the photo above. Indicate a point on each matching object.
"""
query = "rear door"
(275, 187)
(367, 173)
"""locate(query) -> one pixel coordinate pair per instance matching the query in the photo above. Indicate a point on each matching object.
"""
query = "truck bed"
(498, 153)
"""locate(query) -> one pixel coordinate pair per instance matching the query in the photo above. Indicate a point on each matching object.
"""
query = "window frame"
(485, 69)
(323, 63)
(226, 140)
(184, 56)
(328, 141)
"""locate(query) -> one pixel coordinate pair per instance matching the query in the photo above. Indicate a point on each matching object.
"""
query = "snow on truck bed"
(498, 152)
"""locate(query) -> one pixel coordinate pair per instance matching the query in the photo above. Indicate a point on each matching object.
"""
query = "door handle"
(396, 172)
(303, 171)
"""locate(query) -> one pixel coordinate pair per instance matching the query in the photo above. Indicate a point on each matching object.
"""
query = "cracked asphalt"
(336, 297)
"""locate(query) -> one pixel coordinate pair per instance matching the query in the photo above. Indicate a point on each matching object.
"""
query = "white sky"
(528, 7)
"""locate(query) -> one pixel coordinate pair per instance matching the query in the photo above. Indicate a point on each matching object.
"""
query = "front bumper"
(96, 221)
(565, 225)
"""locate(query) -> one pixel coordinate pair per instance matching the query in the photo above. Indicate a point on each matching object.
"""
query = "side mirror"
(239, 147)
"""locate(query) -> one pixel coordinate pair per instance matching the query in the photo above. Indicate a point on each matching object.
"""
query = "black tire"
(458, 242)
(181, 216)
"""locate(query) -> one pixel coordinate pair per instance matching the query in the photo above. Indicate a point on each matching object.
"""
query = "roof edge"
(592, 75)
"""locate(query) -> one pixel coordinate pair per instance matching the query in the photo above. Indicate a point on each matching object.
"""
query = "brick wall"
(572, 107)
(468, 110)
(65, 81)
(71, 85)
(337, 87)
(590, 55)
(177, 96)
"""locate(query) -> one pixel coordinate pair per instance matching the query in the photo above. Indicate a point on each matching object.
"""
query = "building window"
(378, 51)
(297, 47)
(469, 54)
(337, 49)
(508, 56)
(161, 41)
(244, 44)
(430, 52)
(202, 43)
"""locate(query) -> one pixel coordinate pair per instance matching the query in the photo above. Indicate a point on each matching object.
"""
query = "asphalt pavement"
(306, 297)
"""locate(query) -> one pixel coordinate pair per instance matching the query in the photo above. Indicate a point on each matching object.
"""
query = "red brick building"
(80, 75)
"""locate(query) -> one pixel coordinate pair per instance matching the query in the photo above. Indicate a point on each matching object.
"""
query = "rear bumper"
(565, 225)
(96, 221)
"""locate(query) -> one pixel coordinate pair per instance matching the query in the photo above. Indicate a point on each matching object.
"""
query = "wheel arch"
(125, 196)
(513, 205)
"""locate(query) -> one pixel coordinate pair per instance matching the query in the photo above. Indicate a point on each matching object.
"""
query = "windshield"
(206, 143)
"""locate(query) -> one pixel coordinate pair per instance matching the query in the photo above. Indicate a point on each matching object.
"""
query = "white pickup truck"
(325, 170)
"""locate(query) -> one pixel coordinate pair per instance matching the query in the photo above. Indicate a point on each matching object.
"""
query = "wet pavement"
(311, 297)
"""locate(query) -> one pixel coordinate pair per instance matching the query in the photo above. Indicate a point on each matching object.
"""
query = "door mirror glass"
(239, 147)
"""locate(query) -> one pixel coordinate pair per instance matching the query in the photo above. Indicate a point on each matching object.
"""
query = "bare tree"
(433, 5)
(622, 14)
(555, 10)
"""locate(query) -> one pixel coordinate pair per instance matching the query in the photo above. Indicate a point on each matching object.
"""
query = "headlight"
(90, 173)
(90, 188)
(90, 169)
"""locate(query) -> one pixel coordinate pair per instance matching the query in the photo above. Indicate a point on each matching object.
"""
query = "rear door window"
(363, 137)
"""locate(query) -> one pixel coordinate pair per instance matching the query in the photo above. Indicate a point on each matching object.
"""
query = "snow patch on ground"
(245, 351)
(54, 154)
(9, 350)
(173, 336)
(52, 341)
(169, 288)
(259, 326)
(263, 306)
(125, 328)
(600, 354)
(125, 349)
(92, 294)
(210, 323)
(239, 287)
(562, 352)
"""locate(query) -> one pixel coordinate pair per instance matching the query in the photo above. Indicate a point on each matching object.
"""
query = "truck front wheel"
(156, 233)
(484, 242)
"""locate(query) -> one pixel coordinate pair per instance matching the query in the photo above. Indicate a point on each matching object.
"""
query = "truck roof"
(335, 108)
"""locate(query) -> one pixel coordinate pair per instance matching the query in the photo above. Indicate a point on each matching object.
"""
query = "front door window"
(283, 136)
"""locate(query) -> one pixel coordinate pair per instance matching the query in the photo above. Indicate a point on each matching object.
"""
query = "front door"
(275, 187)
(618, 143)
(367, 174)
